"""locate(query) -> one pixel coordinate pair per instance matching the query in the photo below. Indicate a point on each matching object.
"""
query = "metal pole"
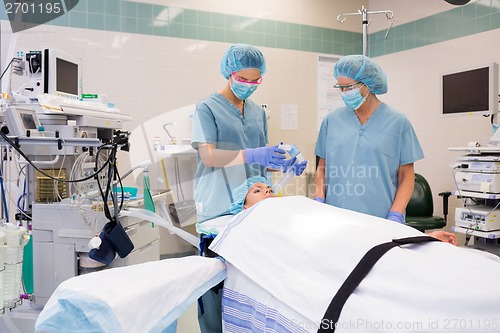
(365, 25)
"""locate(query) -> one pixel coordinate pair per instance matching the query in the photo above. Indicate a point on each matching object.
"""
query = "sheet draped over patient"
(287, 257)
(139, 298)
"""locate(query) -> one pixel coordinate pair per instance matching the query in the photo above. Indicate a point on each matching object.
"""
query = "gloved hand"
(297, 168)
(271, 157)
(318, 199)
(395, 216)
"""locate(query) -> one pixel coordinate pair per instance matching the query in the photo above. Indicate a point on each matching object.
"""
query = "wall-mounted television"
(62, 74)
(473, 91)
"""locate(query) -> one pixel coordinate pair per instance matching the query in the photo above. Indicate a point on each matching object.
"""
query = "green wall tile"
(316, 45)
(482, 8)
(219, 34)
(112, 7)
(144, 11)
(232, 36)
(293, 30)
(469, 12)
(190, 17)
(112, 23)
(257, 38)
(305, 44)
(145, 27)
(95, 21)
(205, 19)
(257, 25)
(305, 31)
(327, 35)
(270, 40)
(218, 20)
(483, 23)
(282, 42)
(327, 47)
(77, 20)
(294, 43)
(95, 7)
(245, 37)
(190, 31)
(176, 30)
(282, 28)
(129, 9)
(161, 30)
(129, 25)
(495, 20)
(270, 27)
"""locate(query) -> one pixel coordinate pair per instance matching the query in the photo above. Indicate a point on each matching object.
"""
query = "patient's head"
(253, 190)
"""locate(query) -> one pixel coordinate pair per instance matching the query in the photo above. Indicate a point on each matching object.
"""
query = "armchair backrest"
(421, 200)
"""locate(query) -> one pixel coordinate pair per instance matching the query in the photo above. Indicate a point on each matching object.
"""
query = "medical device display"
(478, 182)
(294, 153)
(482, 218)
(54, 72)
(62, 75)
(22, 121)
(472, 91)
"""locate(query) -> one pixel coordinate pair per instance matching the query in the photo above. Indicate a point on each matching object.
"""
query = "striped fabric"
(243, 314)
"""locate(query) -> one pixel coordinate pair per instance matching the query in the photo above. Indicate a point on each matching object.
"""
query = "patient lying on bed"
(288, 257)
(258, 188)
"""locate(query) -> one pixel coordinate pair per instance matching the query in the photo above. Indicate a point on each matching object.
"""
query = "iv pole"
(388, 14)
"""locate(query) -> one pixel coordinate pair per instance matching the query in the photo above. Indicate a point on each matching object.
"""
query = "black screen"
(466, 91)
(28, 121)
(66, 77)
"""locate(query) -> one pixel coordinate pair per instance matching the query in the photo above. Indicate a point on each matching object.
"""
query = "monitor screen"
(472, 91)
(28, 120)
(62, 74)
(66, 76)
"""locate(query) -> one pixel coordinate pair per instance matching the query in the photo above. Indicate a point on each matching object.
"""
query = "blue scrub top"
(362, 162)
(221, 123)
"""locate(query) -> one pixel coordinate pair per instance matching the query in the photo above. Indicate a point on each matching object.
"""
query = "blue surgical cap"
(240, 193)
(242, 56)
(363, 69)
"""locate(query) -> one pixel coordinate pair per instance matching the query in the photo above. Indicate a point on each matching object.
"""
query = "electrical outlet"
(266, 110)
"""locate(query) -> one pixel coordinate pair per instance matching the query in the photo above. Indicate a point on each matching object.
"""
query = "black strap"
(357, 275)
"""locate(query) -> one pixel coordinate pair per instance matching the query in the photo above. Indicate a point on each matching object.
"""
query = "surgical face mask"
(353, 98)
(242, 90)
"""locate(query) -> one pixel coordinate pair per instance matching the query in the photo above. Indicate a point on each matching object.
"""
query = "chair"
(420, 209)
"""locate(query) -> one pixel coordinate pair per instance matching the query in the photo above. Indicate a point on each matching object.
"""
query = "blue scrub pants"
(210, 303)
(210, 317)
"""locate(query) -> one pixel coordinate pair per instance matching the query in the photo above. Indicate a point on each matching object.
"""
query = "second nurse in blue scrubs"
(366, 149)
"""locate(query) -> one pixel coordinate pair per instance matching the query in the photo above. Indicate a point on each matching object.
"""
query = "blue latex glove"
(271, 157)
(297, 168)
(395, 216)
(318, 199)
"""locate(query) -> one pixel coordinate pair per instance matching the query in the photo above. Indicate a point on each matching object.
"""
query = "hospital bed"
(286, 258)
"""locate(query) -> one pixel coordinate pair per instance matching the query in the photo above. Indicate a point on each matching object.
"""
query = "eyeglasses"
(243, 80)
(346, 88)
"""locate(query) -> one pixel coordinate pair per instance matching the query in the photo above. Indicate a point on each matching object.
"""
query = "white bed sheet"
(299, 252)
(139, 298)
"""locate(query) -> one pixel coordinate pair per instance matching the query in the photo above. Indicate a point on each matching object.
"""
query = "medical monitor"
(473, 91)
(62, 74)
(21, 120)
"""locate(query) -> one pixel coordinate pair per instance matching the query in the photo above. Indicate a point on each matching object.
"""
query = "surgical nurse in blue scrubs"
(230, 135)
(366, 149)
